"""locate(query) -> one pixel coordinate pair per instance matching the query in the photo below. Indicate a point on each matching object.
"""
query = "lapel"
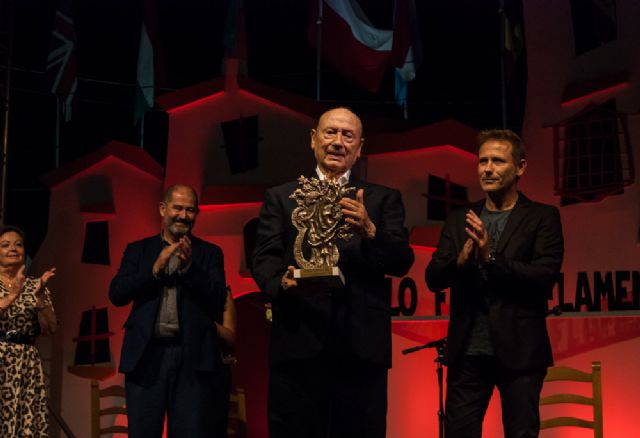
(195, 255)
(357, 184)
(476, 207)
(520, 211)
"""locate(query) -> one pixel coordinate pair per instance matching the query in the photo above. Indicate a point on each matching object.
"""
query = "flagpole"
(6, 109)
(405, 105)
(503, 79)
(56, 159)
(142, 130)
(319, 49)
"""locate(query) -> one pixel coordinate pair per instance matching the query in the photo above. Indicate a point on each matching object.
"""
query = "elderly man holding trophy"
(325, 243)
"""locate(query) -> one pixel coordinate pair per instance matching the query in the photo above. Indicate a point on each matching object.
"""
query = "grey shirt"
(167, 324)
(479, 342)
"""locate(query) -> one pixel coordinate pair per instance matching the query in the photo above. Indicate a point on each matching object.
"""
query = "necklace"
(6, 281)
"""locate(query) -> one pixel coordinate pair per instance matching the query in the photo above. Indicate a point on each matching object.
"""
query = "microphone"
(438, 343)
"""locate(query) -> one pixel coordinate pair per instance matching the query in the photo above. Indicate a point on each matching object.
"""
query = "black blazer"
(519, 282)
(354, 321)
(201, 298)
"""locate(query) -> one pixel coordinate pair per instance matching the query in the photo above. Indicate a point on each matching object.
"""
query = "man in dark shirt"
(331, 348)
(181, 318)
(500, 259)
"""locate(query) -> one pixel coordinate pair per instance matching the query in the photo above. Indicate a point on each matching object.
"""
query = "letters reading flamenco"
(318, 218)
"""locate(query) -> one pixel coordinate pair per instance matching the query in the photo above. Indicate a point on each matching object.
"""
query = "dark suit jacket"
(354, 320)
(528, 260)
(201, 298)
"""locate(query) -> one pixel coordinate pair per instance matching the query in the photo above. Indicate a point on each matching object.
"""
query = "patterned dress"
(23, 398)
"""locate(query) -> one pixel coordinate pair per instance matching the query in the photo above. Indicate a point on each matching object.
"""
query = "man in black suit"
(331, 349)
(500, 259)
(180, 319)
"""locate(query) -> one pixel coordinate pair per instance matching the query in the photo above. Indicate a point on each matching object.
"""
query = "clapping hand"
(17, 285)
(465, 253)
(183, 251)
(478, 234)
(41, 283)
(44, 278)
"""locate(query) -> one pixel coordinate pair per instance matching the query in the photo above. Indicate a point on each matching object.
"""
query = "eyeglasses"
(332, 133)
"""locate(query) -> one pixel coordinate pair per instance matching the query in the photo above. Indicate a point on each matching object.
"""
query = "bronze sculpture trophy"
(318, 218)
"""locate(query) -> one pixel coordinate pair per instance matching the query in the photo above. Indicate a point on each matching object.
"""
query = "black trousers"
(470, 384)
(195, 403)
(323, 398)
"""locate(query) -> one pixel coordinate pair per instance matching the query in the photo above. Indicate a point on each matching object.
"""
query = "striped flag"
(350, 44)
(361, 52)
(61, 62)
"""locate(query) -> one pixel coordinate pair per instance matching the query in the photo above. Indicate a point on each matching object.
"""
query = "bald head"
(168, 195)
(341, 109)
(336, 141)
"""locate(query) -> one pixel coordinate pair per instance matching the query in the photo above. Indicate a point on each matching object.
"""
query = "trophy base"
(329, 277)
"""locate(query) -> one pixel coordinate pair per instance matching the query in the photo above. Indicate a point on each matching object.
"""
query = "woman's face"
(11, 249)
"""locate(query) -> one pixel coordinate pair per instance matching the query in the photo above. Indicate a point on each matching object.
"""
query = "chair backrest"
(567, 374)
(237, 414)
(97, 411)
(237, 411)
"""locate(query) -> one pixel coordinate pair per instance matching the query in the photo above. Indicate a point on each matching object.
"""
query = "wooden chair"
(567, 374)
(97, 411)
(237, 414)
(237, 411)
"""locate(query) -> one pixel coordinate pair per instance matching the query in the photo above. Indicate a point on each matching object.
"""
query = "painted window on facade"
(443, 196)
(95, 249)
(593, 155)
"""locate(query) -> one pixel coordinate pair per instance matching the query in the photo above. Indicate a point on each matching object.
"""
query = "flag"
(361, 52)
(350, 44)
(406, 54)
(149, 67)
(145, 92)
(61, 61)
(235, 40)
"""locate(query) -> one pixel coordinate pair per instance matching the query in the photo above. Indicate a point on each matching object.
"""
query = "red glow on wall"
(90, 216)
(216, 208)
(196, 102)
(129, 155)
(242, 294)
(421, 248)
(94, 168)
(412, 320)
(272, 104)
(612, 89)
(421, 330)
(407, 154)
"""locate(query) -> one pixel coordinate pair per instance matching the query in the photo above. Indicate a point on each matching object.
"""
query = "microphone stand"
(439, 345)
